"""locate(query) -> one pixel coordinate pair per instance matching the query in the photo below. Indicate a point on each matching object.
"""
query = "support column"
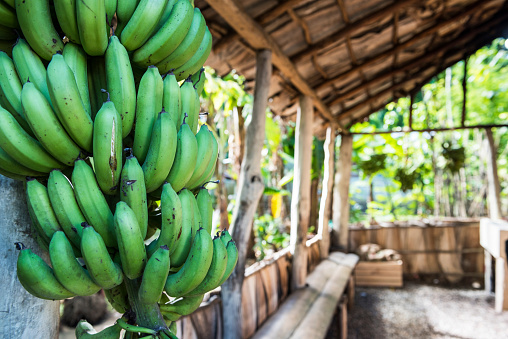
(23, 315)
(325, 206)
(250, 190)
(493, 199)
(341, 194)
(300, 199)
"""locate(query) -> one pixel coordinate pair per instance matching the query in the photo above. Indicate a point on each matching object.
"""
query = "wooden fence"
(265, 287)
(447, 247)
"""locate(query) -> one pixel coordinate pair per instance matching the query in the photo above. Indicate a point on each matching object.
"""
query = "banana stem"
(147, 315)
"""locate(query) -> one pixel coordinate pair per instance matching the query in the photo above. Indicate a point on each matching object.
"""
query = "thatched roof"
(351, 56)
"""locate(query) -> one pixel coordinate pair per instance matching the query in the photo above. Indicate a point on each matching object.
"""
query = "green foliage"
(270, 235)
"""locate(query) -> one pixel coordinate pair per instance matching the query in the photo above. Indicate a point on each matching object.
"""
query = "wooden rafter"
(254, 34)
(300, 22)
(431, 129)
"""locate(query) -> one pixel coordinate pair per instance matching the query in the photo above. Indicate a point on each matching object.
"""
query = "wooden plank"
(283, 274)
(494, 189)
(249, 309)
(261, 300)
(254, 34)
(270, 280)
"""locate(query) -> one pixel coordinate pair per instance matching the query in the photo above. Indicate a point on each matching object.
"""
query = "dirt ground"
(425, 311)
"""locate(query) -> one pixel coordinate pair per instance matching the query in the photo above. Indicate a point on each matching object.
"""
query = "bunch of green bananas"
(112, 155)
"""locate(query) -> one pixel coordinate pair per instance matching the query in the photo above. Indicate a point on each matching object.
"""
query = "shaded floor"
(425, 311)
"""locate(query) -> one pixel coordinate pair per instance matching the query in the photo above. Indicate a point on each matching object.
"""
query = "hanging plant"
(454, 155)
(407, 178)
(374, 164)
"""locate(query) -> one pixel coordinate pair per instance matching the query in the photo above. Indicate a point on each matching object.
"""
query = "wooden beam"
(464, 94)
(494, 188)
(300, 198)
(341, 194)
(250, 190)
(303, 25)
(254, 34)
(428, 130)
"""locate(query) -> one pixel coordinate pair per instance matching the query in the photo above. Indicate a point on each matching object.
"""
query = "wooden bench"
(308, 312)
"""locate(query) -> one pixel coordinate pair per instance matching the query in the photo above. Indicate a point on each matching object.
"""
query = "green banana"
(198, 80)
(125, 9)
(195, 267)
(205, 206)
(188, 96)
(225, 237)
(8, 164)
(65, 206)
(154, 276)
(197, 61)
(130, 242)
(11, 3)
(168, 37)
(184, 241)
(12, 175)
(216, 271)
(170, 316)
(35, 20)
(210, 169)
(182, 306)
(189, 45)
(165, 15)
(45, 125)
(142, 23)
(118, 298)
(103, 270)
(67, 269)
(133, 328)
(37, 277)
(171, 221)
(92, 202)
(8, 16)
(96, 83)
(110, 11)
(171, 100)
(67, 102)
(30, 67)
(22, 147)
(161, 153)
(75, 57)
(149, 102)
(85, 331)
(7, 33)
(92, 27)
(120, 83)
(232, 259)
(10, 86)
(107, 148)
(185, 158)
(133, 191)
(40, 209)
(205, 152)
(66, 15)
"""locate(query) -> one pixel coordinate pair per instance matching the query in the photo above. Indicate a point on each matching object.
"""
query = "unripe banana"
(66, 15)
(142, 23)
(168, 37)
(8, 16)
(185, 158)
(12, 175)
(172, 98)
(205, 206)
(216, 271)
(149, 103)
(120, 83)
(171, 221)
(110, 12)
(39, 207)
(134, 328)
(11, 3)
(67, 269)
(67, 102)
(133, 191)
(103, 270)
(118, 298)
(37, 277)
(198, 80)
(85, 331)
(183, 306)
(189, 45)
(29, 66)
(8, 164)
(188, 106)
(34, 17)
(107, 148)
(46, 127)
(92, 202)
(76, 58)
(96, 83)
(184, 241)
(125, 9)
(65, 206)
(205, 152)
(165, 15)
(130, 242)
(210, 169)
(92, 27)
(161, 153)
(10, 86)
(232, 259)
(154, 276)
(195, 267)
(197, 61)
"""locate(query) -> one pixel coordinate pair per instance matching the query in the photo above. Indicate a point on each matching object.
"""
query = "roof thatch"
(351, 56)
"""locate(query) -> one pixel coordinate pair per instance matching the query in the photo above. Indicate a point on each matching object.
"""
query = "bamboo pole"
(300, 201)
(250, 190)
(494, 198)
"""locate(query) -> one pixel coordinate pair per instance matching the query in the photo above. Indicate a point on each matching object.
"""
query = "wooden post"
(341, 194)
(325, 206)
(250, 190)
(300, 200)
(493, 199)
(23, 315)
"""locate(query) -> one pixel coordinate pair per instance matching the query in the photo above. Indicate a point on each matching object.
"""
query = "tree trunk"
(314, 203)
(325, 206)
(300, 198)
(23, 315)
(494, 198)
(239, 144)
(250, 189)
(341, 194)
